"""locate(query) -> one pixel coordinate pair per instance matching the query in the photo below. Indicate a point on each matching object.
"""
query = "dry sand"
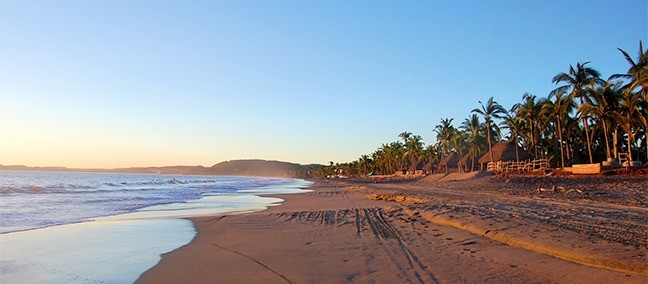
(411, 232)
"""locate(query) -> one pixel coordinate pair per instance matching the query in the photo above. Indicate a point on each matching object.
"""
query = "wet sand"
(413, 232)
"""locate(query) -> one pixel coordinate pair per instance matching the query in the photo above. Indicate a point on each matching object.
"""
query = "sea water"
(60, 227)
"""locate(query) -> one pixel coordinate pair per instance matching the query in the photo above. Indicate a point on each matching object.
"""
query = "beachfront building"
(419, 170)
(504, 151)
(449, 162)
(429, 167)
(465, 163)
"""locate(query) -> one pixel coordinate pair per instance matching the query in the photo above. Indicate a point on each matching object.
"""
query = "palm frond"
(628, 57)
(620, 76)
(559, 90)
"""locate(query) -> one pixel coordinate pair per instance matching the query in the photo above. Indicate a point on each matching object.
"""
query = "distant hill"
(252, 168)
(230, 168)
(139, 170)
(26, 168)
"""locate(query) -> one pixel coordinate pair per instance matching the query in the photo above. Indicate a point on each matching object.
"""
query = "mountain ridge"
(243, 167)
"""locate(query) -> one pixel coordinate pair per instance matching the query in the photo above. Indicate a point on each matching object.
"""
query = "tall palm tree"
(559, 110)
(472, 127)
(515, 125)
(365, 164)
(444, 131)
(638, 76)
(405, 136)
(414, 151)
(529, 111)
(576, 80)
(638, 71)
(602, 107)
(490, 111)
(387, 157)
(630, 115)
(459, 143)
(430, 155)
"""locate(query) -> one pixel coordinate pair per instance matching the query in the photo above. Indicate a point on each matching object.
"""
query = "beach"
(470, 230)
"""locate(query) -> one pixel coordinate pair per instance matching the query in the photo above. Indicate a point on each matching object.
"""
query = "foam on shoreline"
(100, 251)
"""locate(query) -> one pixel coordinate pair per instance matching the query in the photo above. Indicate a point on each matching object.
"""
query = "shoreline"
(119, 248)
(348, 237)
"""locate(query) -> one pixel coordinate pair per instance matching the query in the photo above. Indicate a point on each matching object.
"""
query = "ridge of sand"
(545, 241)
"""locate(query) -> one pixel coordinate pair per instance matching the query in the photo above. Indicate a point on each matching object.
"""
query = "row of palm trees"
(586, 119)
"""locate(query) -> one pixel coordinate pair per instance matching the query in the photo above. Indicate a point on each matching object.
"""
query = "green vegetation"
(586, 119)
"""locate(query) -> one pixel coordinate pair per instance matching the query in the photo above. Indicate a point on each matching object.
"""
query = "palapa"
(450, 161)
(430, 165)
(465, 160)
(505, 151)
(465, 163)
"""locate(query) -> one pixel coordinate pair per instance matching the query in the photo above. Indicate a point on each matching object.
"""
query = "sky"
(103, 84)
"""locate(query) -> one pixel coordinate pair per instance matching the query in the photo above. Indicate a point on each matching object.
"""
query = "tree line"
(585, 119)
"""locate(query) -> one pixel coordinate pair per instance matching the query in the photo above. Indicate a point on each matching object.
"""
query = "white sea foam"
(100, 252)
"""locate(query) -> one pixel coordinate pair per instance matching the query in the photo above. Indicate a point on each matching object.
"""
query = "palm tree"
(576, 80)
(638, 71)
(559, 110)
(490, 111)
(638, 76)
(515, 125)
(602, 107)
(387, 157)
(444, 131)
(414, 151)
(459, 143)
(629, 115)
(430, 154)
(365, 164)
(405, 136)
(472, 127)
(529, 111)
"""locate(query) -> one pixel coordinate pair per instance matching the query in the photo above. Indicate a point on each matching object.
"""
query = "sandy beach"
(481, 230)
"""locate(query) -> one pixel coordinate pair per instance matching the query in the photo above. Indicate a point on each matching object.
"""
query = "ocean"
(72, 227)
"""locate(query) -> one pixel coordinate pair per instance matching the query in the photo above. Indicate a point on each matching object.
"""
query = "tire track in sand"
(412, 269)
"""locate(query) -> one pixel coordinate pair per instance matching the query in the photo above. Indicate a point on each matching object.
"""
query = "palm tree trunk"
(533, 141)
(562, 155)
(630, 138)
(517, 156)
(568, 150)
(490, 144)
(589, 147)
(607, 142)
(615, 141)
(472, 159)
(587, 138)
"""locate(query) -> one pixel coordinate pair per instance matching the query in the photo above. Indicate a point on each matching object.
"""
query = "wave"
(202, 185)
(37, 200)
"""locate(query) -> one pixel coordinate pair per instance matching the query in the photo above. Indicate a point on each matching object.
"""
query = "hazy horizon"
(144, 166)
(108, 84)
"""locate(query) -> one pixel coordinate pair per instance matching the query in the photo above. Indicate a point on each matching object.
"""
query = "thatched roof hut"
(465, 163)
(505, 151)
(430, 165)
(450, 160)
(465, 160)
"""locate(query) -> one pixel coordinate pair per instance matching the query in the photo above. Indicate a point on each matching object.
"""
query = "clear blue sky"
(144, 83)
